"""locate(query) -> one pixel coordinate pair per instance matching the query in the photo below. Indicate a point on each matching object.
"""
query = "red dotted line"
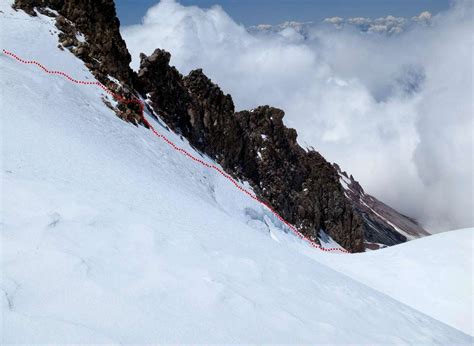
(174, 146)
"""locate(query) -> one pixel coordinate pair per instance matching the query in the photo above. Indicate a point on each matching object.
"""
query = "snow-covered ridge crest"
(108, 236)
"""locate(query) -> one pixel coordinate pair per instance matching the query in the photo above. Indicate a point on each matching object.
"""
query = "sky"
(253, 12)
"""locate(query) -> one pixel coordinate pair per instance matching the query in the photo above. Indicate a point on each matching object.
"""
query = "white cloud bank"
(389, 25)
(395, 111)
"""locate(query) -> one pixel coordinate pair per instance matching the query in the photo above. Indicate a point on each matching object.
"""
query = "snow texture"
(432, 274)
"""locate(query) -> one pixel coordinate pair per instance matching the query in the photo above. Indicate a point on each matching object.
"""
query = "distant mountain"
(388, 25)
(383, 225)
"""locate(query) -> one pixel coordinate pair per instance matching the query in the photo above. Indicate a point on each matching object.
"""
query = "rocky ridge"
(254, 146)
(90, 30)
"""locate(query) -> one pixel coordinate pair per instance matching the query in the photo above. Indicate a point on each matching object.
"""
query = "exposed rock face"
(90, 30)
(253, 145)
(383, 226)
(192, 106)
(302, 186)
(97, 21)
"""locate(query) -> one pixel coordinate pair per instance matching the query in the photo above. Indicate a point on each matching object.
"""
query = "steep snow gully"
(119, 98)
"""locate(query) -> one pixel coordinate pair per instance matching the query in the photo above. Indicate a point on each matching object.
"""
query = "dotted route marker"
(175, 147)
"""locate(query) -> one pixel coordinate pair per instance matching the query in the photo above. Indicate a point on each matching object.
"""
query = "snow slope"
(433, 274)
(108, 235)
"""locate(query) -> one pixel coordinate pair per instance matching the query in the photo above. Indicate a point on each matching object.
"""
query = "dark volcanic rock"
(102, 48)
(97, 21)
(302, 186)
(192, 106)
(166, 89)
(255, 146)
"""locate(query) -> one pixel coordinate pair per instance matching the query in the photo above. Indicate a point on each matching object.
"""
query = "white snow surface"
(327, 242)
(433, 274)
(110, 236)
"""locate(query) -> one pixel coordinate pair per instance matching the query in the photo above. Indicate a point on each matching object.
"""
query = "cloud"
(424, 17)
(394, 110)
(338, 22)
(389, 25)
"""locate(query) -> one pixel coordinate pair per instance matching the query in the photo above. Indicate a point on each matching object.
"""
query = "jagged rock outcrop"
(103, 48)
(301, 185)
(90, 30)
(192, 106)
(255, 146)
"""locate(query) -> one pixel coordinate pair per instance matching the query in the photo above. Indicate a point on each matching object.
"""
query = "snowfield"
(110, 236)
(433, 274)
